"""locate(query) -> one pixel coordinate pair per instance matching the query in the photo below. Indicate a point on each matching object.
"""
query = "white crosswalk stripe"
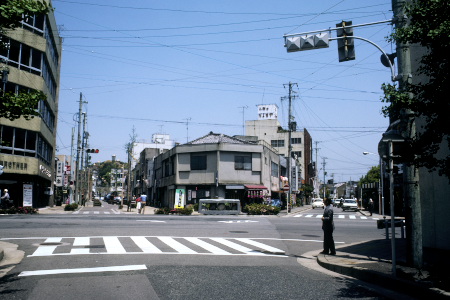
(336, 216)
(95, 212)
(57, 246)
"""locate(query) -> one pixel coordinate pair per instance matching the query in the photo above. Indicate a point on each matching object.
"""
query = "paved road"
(118, 256)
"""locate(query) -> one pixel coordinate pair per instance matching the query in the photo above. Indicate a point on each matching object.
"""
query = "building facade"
(269, 129)
(27, 147)
(216, 166)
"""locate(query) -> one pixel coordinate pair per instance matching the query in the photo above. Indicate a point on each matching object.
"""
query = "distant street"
(100, 254)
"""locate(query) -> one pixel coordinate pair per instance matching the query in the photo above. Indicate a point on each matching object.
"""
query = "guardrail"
(219, 206)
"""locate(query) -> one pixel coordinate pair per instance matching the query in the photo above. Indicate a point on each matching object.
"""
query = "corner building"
(27, 147)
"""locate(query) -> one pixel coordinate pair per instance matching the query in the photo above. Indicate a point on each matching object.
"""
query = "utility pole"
(243, 118)
(78, 163)
(410, 174)
(289, 167)
(316, 173)
(324, 174)
(187, 129)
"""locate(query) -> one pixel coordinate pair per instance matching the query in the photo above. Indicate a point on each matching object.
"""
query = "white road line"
(298, 216)
(113, 245)
(84, 270)
(260, 245)
(46, 250)
(237, 247)
(82, 241)
(364, 218)
(308, 216)
(145, 244)
(107, 213)
(318, 216)
(177, 246)
(341, 217)
(154, 221)
(96, 212)
(211, 248)
(85, 212)
(352, 217)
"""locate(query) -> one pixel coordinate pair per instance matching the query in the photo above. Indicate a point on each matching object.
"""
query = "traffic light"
(92, 151)
(346, 44)
(307, 42)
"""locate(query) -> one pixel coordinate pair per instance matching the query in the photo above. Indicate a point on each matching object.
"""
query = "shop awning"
(255, 187)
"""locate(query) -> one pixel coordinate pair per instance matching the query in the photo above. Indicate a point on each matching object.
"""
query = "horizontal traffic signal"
(92, 151)
(307, 42)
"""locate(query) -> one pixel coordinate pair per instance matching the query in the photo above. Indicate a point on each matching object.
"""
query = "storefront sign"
(44, 171)
(180, 198)
(27, 195)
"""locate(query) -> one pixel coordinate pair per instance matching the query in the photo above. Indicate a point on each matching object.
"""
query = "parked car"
(349, 204)
(318, 203)
(117, 200)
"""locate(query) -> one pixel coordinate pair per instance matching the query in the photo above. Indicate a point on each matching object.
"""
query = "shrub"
(18, 210)
(162, 211)
(261, 209)
(70, 207)
(188, 210)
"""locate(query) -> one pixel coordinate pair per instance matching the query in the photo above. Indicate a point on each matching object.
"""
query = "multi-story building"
(27, 147)
(217, 166)
(269, 129)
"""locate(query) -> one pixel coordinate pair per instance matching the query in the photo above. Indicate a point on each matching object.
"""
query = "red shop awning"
(255, 187)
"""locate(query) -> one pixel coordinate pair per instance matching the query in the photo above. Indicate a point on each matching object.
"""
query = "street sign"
(286, 187)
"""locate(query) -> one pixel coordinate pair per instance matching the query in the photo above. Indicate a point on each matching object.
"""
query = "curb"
(386, 281)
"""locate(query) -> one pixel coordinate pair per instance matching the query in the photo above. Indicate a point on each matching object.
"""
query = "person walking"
(370, 206)
(328, 228)
(143, 203)
(4, 200)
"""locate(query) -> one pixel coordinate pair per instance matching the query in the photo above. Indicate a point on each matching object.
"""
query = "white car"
(318, 203)
(349, 204)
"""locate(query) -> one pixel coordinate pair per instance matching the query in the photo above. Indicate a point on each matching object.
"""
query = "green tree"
(24, 104)
(429, 28)
(373, 175)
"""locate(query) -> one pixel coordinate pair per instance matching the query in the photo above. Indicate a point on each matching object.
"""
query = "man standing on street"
(328, 228)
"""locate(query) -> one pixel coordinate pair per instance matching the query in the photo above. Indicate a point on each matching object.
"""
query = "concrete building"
(27, 147)
(268, 128)
(216, 166)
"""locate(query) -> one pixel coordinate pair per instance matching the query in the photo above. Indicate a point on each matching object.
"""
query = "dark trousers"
(328, 241)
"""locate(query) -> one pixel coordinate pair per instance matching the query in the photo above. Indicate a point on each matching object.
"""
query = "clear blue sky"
(153, 65)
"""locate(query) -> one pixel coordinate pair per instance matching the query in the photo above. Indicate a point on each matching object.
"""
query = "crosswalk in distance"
(95, 212)
(336, 216)
(56, 246)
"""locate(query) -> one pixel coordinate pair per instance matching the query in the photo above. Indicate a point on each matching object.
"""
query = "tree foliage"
(12, 12)
(14, 106)
(24, 104)
(429, 28)
(373, 175)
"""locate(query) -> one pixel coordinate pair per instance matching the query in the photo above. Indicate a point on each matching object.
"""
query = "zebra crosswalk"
(56, 246)
(336, 216)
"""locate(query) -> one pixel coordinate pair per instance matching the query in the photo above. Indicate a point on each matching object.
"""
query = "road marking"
(46, 250)
(84, 270)
(113, 245)
(297, 216)
(341, 217)
(318, 216)
(237, 247)
(154, 221)
(308, 216)
(96, 212)
(260, 245)
(352, 217)
(177, 246)
(145, 244)
(211, 248)
(243, 221)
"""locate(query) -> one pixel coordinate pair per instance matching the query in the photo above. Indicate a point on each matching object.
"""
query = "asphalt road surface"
(101, 255)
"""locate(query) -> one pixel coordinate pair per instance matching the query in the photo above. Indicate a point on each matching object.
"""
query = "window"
(296, 153)
(242, 162)
(296, 140)
(274, 170)
(277, 143)
(198, 162)
(18, 141)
